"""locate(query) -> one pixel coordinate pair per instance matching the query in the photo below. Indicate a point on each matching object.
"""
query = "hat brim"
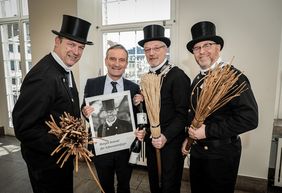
(82, 41)
(216, 39)
(162, 39)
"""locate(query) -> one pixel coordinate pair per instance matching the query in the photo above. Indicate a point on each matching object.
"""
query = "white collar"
(61, 63)
(154, 69)
(219, 61)
(109, 79)
(111, 123)
(59, 60)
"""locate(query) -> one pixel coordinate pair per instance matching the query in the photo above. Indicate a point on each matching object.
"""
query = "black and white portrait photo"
(112, 122)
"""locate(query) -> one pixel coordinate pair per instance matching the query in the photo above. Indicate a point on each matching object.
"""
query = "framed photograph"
(112, 122)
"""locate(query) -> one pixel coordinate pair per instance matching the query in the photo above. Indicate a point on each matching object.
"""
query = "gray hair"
(117, 46)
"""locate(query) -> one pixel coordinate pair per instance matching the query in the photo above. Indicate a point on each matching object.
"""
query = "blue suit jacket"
(95, 86)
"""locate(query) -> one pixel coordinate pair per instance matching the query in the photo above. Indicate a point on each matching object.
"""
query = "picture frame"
(112, 122)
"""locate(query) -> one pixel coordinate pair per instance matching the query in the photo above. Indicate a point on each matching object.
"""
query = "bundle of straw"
(73, 137)
(151, 90)
(218, 89)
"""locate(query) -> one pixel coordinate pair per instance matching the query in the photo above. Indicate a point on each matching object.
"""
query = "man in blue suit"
(49, 89)
(107, 165)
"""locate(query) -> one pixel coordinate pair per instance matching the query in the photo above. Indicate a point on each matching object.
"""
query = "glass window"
(8, 8)
(129, 11)
(13, 65)
(118, 12)
(12, 59)
(27, 46)
(14, 29)
(24, 7)
(13, 81)
(122, 21)
(115, 13)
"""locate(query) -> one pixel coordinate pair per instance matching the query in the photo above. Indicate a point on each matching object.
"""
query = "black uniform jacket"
(44, 92)
(237, 116)
(174, 105)
(118, 127)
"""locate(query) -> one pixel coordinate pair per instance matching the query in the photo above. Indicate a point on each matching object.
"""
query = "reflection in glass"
(8, 8)
(27, 46)
(129, 11)
(24, 7)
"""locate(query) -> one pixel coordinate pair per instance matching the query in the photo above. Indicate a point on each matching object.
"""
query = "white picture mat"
(115, 142)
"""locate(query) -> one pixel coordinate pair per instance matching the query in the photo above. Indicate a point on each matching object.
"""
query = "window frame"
(138, 26)
(20, 20)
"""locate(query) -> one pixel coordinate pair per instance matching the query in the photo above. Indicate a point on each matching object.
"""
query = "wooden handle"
(158, 155)
(189, 143)
(195, 124)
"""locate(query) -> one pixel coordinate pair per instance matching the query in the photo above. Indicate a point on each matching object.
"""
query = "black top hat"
(154, 32)
(75, 29)
(108, 104)
(201, 31)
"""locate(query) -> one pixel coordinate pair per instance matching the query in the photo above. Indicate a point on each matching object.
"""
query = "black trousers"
(172, 167)
(214, 175)
(51, 179)
(108, 165)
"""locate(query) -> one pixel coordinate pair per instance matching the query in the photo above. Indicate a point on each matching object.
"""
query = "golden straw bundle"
(73, 141)
(218, 89)
(151, 90)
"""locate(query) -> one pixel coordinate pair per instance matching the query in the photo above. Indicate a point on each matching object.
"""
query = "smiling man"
(215, 155)
(49, 89)
(175, 90)
(114, 163)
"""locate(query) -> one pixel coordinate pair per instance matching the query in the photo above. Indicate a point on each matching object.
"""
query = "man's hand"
(140, 134)
(198, 133)
(137, 99)
(87, 110)
(159, 142)
(183, 149)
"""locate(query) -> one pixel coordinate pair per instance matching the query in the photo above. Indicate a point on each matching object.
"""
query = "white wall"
(252, 33)
(89, 64)
(45, 16)
(278, 101)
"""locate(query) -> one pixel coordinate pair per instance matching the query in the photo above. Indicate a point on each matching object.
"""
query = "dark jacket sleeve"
(42, 94)
(86, 94)
(174, 104)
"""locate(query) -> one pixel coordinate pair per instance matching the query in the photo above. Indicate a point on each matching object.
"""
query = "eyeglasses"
(155, 49)
(206, 46)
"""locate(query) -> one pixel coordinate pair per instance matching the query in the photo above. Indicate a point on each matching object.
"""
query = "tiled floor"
(14, 177)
